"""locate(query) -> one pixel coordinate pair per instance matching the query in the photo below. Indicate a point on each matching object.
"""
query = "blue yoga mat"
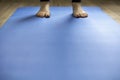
(60, 47)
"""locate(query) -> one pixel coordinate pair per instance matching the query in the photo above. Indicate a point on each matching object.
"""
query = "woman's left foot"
(78, 12)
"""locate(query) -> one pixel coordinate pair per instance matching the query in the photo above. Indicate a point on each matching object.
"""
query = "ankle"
(76, 6)
(45, 6)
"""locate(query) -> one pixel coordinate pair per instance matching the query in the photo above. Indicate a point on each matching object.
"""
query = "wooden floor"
(111, 7)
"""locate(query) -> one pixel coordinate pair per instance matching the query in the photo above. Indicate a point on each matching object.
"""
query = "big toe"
(76, 15)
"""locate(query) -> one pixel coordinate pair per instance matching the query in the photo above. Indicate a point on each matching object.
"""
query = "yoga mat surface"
(60, 47)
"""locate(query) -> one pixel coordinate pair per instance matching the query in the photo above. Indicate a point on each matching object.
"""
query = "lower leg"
(44, 10)
(77, 9)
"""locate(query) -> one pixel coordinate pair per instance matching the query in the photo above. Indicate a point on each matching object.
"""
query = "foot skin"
(44, 10)
(43, 14)
(78, 12)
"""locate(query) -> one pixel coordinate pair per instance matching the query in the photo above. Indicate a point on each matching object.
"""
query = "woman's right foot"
(44, 10)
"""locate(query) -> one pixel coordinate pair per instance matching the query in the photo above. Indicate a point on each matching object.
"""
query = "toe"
(40, 14)
(76, 15)
(79, 16)
(84, 15)
(47, 15)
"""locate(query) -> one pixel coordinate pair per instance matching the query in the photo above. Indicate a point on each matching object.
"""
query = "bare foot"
(78, 12)
(44, 10)
(43, 14)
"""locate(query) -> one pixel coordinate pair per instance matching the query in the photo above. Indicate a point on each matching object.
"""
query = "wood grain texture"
(7, 7)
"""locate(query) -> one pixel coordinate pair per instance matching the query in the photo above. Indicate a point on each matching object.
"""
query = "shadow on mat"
(63, 21)
(29, 18)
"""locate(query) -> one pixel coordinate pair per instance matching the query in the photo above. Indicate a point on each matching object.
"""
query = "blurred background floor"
(7, 7)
